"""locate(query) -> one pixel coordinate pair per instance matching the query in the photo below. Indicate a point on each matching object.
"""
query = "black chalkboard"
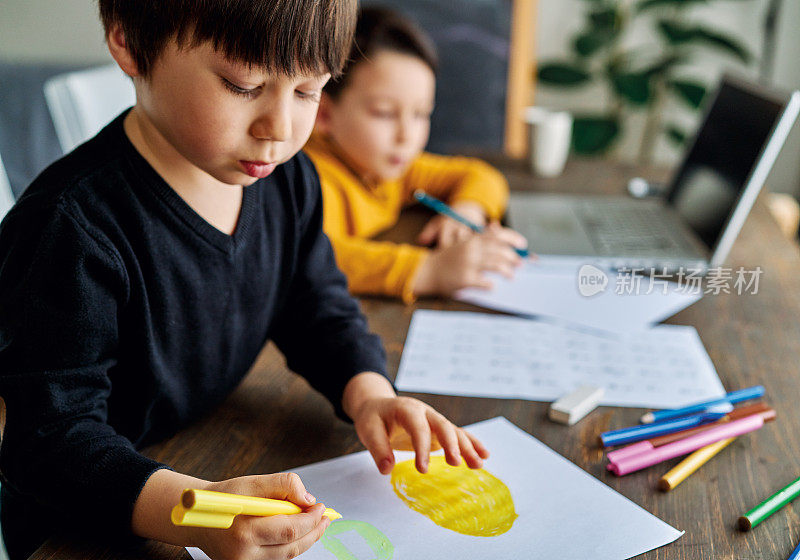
(472, 38)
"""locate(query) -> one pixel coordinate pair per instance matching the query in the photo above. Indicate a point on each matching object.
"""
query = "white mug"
(551, 137)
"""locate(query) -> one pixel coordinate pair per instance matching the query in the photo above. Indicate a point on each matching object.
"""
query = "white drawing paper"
(552, 288)
(563, 512)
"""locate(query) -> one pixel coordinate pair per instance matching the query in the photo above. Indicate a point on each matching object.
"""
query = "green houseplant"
(640, 79)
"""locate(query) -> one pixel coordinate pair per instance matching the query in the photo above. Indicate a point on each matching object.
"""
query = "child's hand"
(444, 232)
(378, 418)
(464, 264)
(278, 536)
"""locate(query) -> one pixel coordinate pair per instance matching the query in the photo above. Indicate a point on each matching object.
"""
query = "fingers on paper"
(481, 449)
(445, 432)
(506, 235)
(472, 449)
(500, 259)
(376, 438)
(414, 420)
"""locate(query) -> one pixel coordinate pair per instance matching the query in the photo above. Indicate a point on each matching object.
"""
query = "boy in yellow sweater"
(371, 128)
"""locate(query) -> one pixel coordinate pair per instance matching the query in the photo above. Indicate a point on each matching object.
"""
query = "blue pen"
(732, 397)
(796, 554)
(639, 433)
(441, 208)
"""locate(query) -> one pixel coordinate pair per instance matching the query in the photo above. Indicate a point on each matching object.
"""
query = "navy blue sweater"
(124, 315)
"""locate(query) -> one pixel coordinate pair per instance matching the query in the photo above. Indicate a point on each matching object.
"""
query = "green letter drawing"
(376, 540)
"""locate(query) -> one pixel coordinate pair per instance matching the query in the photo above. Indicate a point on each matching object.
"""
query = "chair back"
(6, 195)
(82, 103)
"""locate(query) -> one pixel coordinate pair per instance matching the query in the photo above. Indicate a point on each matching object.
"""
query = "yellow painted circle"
(467, 501)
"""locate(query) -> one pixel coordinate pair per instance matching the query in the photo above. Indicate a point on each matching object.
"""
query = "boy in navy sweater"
(141, 275)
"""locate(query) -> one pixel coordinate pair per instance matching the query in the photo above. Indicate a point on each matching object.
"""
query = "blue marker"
(730, 398)
(639, 433)
(796, 554)
(441, 208)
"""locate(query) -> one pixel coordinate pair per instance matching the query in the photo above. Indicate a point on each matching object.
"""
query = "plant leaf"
(676, 135)
(692, 93)
(634, 87)
(645, 5)
(563, 74)
(604, 19)
(589, 42)
(594, 134)
(665, 63)
(722, 41)
(677, 34)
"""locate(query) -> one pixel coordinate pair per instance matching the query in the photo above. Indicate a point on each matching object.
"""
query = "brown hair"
(382, 29)
(285, 36)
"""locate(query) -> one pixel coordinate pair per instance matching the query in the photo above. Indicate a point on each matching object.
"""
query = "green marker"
(769, 506)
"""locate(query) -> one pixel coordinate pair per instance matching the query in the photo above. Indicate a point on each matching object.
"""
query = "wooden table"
(274, 422)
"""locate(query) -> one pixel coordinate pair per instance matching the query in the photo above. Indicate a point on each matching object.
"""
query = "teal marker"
(441, 208)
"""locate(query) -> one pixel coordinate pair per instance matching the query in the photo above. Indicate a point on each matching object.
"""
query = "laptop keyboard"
(616, 226)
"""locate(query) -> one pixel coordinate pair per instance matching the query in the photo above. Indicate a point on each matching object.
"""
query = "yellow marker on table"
(679, 472)
(216, 510)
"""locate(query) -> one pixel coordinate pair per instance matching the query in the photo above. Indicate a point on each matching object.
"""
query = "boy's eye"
(313, 95)
(244, 92)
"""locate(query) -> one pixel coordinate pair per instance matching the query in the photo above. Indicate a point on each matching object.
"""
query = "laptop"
(694, 226)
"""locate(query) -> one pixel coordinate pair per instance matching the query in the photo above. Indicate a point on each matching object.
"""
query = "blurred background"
(734, 35)
(566, 34)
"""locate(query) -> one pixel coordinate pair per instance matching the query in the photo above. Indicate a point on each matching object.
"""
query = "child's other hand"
(464, 264)
(278, 536)
(444, 232)
(379, 418)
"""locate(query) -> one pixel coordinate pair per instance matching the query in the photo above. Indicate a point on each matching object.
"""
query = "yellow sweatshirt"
(354, 211)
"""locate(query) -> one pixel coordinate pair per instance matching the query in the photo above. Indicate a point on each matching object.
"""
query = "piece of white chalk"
(574, 406)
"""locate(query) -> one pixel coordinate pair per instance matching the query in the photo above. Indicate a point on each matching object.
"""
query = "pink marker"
(630, 450)
(637, 461)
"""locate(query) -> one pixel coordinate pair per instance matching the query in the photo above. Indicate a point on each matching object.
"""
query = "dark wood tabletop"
(275, 422)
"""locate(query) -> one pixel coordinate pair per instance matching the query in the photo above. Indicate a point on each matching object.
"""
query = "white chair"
(82, 103)
(6, 194)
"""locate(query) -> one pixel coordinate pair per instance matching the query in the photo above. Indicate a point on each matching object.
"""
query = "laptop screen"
(727, 147)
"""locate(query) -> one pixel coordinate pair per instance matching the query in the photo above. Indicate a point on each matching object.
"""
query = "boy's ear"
(323, 123)
(118, 47)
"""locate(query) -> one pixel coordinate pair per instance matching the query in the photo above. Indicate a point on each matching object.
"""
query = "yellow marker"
(467, 501)
(204, 508)
(693, 462)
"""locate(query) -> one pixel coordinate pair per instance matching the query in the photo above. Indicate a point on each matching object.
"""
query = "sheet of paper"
(483, 355)
(554, 509)
(563, 289)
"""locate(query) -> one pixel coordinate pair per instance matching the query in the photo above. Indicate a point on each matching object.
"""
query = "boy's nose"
(275, 125)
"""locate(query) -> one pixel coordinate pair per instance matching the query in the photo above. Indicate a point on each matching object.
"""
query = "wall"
(51, 31)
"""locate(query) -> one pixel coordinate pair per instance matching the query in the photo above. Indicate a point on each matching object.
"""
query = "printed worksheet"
(526, 502)
(497, 356)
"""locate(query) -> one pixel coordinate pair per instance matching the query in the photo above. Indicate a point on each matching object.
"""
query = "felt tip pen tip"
(648, 418)
(744, 524)
(664, 485)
